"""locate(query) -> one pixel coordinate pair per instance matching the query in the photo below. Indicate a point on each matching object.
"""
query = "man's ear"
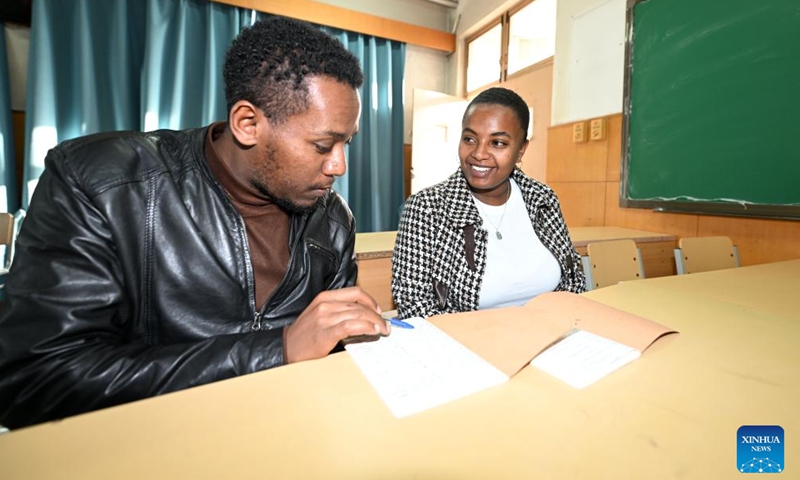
(245, 120)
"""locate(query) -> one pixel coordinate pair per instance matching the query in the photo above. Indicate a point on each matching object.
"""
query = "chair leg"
(587, 272)
(640, 262)
(679, 265)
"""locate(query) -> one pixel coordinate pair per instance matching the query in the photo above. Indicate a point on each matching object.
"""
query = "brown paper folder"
(509, 338)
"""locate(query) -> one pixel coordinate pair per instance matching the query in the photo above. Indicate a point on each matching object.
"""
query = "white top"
(518, 266)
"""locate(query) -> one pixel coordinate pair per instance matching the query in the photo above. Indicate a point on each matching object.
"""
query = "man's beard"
(260, 184)
(282, 202)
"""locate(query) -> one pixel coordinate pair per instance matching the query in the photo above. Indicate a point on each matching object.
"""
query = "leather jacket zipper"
(256, 326)
(324, 251)
(258, 319)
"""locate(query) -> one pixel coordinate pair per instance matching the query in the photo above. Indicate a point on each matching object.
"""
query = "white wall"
(471, 16)
(416, 12)
(589, 59)
(477, 13)
(425, 69)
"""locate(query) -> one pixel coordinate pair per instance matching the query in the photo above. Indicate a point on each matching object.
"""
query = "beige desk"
(673, 413)
(374, 254)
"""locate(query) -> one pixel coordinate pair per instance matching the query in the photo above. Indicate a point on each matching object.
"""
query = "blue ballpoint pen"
(396, 322)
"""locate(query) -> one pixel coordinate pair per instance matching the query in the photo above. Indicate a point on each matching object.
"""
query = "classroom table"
(374, 255)
(673, 413)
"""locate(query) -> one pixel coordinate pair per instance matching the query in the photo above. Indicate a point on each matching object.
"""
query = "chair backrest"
(611, 262)
(704, 254)
(9, 229)
(6, 228)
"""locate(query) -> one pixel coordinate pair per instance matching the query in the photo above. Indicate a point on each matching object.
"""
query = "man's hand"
(332, 316)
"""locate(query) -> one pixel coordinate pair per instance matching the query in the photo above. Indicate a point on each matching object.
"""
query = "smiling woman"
(489, 236)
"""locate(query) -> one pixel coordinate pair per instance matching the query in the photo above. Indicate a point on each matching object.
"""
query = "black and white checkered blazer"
(440, 252)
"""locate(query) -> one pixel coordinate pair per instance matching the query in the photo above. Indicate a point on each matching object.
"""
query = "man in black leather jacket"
(154, 262)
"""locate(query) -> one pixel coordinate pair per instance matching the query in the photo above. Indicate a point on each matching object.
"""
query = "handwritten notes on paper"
(582, 358)
(416, 369)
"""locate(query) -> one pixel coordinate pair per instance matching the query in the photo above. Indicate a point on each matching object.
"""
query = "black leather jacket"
(132, 278)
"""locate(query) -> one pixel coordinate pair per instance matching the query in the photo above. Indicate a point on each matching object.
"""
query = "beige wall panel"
(658, 258)
(558, 139)
(535, 86)
(759, 240)
(614, 136)
(581, 202)
(574, 162)
(375, 277)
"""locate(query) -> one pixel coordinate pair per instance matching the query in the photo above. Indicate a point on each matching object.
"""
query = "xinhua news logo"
(760, 449)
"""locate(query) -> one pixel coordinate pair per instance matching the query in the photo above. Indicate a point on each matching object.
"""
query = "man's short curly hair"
(507, 98)
(268, 62)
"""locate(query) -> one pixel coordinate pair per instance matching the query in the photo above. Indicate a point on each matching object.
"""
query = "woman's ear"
(522, 151)
(244, 121)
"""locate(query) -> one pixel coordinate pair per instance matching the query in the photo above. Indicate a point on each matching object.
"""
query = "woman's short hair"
(505, 97)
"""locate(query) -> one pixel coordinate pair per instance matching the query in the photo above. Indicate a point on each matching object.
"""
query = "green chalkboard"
(711, 121)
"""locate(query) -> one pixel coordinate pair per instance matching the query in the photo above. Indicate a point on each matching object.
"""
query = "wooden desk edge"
(648, 239)
(373, 255)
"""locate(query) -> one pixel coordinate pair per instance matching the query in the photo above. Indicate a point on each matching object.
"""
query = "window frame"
(503, 41)
(504, 20)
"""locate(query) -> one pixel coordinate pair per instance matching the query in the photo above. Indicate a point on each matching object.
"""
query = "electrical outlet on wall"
(579, 132)
(597, 129)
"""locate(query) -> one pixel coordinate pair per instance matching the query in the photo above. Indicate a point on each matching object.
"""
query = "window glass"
(483, 59)
(532, 35)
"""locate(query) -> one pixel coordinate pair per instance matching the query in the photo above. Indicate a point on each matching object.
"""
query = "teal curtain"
(99, 65)
(182, 85)
(83, 74)
(8, 173)
(374, 184)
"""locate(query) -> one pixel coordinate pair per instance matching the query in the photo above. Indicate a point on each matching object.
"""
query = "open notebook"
(450, 356)
(417, 369)
(582, 358)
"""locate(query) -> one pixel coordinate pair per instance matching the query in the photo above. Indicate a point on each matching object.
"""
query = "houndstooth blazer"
(440, 252)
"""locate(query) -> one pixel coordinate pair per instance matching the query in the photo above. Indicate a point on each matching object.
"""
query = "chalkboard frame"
(788, 212)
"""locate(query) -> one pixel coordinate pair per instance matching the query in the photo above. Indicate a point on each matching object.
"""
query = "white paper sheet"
(582, 358)
(416, 369)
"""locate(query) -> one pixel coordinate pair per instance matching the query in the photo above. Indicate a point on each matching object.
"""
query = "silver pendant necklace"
(505, 205)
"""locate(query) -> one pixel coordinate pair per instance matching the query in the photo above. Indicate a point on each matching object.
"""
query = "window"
(532, 35)
(483, 58)
(523, 36)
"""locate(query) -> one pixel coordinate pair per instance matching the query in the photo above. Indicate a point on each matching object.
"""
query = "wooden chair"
(9, 229)
(611, 262)
(704, 254)
(6, 239)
